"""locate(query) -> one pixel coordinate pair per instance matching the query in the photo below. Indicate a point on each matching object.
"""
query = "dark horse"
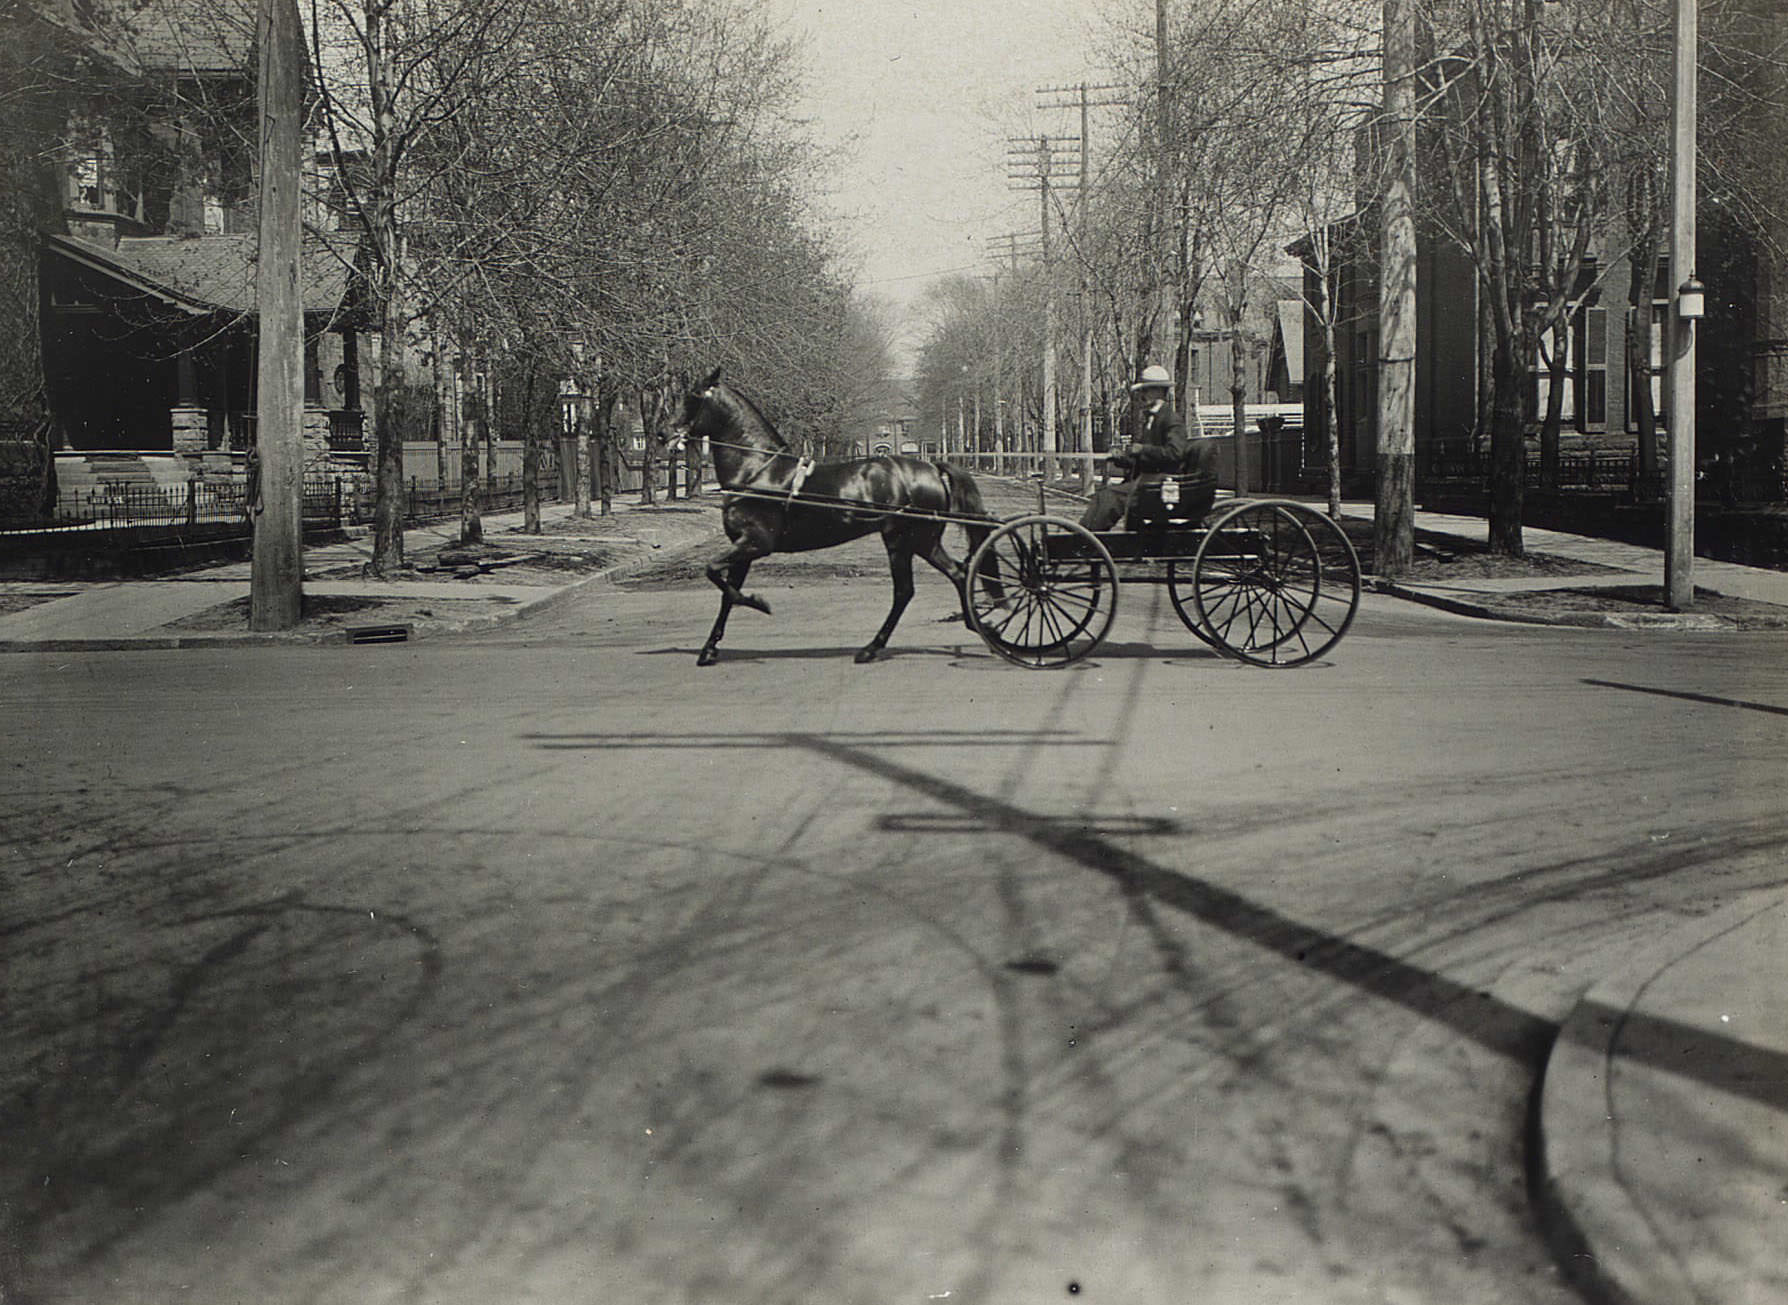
(778, 502)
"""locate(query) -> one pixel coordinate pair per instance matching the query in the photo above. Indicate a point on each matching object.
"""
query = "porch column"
(190, 422)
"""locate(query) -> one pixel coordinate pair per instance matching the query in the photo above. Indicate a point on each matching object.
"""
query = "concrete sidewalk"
(117, 615)
(1661, 1149)
(1632, 565)
(1661, 1161)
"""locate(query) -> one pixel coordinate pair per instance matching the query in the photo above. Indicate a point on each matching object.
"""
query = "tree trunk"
(608, 455)
(1508, 450)
(582, 470)
(1394, 519)
(442, 421)
(471, 520)
(487, 406)
(1643, 264)
(692, 469)
(530, 457)
(388, 449)
(1238, 401)
(1553, 419)
(1330, 397)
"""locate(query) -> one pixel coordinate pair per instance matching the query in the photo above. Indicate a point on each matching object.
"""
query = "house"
(134, 336)
(1607, 360)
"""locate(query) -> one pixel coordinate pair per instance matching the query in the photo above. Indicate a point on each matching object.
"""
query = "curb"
(274, 638)
(1702, 622)
(1606, 1243)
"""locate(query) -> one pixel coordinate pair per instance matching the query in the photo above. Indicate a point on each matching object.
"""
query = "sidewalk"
(1660, 1156)
(1632, 563)
(117, 615)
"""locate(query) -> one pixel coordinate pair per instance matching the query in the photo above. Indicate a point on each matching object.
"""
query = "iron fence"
(1596, 472)
(326, 501)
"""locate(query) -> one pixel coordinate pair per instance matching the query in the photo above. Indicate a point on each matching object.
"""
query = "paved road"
(539, 965)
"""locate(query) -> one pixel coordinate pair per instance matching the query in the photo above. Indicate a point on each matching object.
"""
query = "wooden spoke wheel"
(1042, 591)
(1273, 583)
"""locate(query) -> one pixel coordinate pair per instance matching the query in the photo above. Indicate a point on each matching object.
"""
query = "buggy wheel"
(1274, 583)
(1179, 589)
(1042, 591)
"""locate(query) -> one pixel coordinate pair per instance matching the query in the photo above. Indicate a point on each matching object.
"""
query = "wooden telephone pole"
(1686, 303)
(1080, 97)
(276, 576)
(1040, 165)
(1009, 246)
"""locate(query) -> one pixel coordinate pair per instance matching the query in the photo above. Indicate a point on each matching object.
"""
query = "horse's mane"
(756, 412)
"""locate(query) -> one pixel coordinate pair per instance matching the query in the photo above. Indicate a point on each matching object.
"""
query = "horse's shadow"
(968, 655)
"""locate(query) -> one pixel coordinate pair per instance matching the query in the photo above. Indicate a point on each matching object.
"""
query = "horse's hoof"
(707, 657)
(866, 655)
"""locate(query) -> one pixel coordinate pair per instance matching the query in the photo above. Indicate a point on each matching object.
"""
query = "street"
(537, 964)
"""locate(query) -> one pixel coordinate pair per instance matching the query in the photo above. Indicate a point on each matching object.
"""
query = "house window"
(1648, 386)
(1539, 390)
(89, 165)
(1591, 329)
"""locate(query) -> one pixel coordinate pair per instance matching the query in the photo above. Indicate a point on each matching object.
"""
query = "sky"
(923, 95)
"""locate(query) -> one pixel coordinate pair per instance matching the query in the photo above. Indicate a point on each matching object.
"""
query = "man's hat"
(1154, 376)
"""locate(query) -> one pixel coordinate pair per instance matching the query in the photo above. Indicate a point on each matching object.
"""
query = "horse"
(779, 502)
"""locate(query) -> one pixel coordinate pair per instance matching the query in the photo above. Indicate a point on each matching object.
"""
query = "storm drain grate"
(379, 634)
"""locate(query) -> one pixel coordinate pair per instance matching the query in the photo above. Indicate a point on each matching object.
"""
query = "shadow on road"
(1473, 1014)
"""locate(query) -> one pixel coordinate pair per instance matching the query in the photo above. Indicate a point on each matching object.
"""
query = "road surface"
(538, 965)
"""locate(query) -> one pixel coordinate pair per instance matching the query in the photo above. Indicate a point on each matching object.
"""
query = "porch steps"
(82, 476)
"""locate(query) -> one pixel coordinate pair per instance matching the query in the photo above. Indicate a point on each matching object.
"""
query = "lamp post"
(1679, 525)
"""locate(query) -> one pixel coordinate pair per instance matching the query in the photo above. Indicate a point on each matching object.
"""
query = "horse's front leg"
(900, 565)
(728, 573)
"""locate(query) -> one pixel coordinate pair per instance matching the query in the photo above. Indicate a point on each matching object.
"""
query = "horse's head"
(701, 414)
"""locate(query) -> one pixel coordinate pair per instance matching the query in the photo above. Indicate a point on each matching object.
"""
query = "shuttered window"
(1592, 388)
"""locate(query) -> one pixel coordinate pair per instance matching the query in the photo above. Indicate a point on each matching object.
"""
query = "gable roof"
(192, 37)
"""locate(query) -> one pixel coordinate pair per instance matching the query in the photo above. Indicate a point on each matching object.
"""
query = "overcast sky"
(929, 91)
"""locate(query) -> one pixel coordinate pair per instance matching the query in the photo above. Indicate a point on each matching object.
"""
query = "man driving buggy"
(1161, 447)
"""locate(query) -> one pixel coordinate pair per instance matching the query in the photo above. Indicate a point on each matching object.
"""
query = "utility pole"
(1007, 246)
(276, 574)
(1069, 97)
(1166, 294)
(1679, 526)
(1046, 171)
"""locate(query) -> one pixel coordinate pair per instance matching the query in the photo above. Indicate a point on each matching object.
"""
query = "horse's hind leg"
(936, 554)
(900, 566)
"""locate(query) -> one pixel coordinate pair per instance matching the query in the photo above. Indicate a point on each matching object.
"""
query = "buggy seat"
(1177, 499)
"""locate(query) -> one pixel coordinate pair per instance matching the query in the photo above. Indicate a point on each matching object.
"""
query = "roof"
(205, 274)
(194, 37)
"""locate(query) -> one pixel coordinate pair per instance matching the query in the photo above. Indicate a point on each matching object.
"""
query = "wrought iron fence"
(1597, 472)
(326, 501)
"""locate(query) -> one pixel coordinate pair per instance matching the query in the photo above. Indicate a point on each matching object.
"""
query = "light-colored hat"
(1154, 376)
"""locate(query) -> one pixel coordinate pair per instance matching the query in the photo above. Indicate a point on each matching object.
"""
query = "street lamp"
(1691, 300)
